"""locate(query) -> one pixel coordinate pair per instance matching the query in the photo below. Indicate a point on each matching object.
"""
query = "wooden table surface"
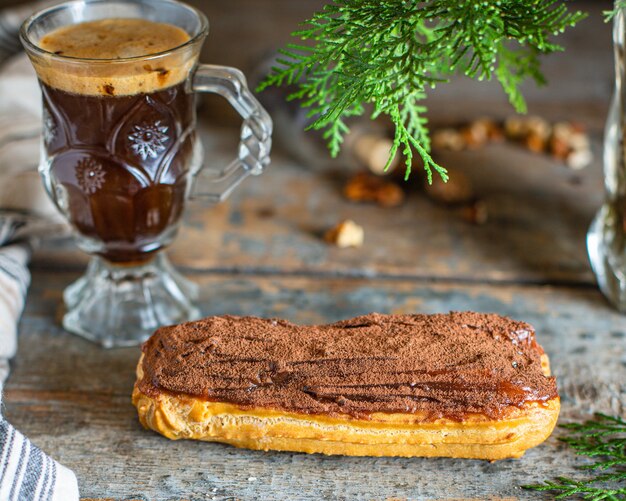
(261, 253)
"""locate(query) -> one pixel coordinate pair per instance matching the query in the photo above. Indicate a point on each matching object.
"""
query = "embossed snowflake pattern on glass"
(49, 127)
(149, 140)
(90, 175)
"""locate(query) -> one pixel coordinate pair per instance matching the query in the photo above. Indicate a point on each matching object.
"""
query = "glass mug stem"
(120, 156)
(124, 304)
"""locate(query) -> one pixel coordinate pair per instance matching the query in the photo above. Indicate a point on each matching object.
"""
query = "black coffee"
(120, 165)
(120, 148)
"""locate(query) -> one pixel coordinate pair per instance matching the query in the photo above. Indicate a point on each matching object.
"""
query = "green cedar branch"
(381, 57)
(610, 14)
(604, 439)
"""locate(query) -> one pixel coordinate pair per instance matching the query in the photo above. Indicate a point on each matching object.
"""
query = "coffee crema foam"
(107, 43)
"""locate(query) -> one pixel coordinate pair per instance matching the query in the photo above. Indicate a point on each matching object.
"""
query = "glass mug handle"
(256, 133)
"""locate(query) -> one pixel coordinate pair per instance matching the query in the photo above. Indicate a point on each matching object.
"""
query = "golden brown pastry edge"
(408, 435)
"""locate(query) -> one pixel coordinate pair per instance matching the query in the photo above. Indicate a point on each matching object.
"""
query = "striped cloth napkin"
(26, 473)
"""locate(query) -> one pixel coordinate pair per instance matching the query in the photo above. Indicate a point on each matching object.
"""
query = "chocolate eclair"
(466, 384)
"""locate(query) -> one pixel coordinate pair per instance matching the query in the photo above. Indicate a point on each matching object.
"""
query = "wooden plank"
(73, 399)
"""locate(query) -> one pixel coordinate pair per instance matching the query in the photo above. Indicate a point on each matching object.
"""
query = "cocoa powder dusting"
(446, 366)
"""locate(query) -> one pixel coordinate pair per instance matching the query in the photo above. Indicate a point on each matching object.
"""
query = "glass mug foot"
(119, 306)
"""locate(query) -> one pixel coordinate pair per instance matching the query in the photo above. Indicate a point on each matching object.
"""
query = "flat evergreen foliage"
(604, 440)
(386, 53)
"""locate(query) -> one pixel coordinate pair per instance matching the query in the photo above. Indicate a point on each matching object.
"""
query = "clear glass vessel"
(120, 159)
(606, 239)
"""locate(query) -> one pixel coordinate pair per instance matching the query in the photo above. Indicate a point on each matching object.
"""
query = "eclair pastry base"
(383, 434)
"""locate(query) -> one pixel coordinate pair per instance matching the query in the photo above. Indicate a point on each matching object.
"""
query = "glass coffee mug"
(120, 158)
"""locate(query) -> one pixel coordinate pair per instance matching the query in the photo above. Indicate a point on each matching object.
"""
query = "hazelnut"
(579, 141)
(448, 139)
(535, 143)
(539, 127)
(476, 134)
(562, 131)
(457, 190)
(579, 159)
(519, 128)
(571, 144)
(368, 188)
(475, 213)
(494, 130)
(345, 234)
(514, 128)
(389, 195)
(558, 148)
(372, 150)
